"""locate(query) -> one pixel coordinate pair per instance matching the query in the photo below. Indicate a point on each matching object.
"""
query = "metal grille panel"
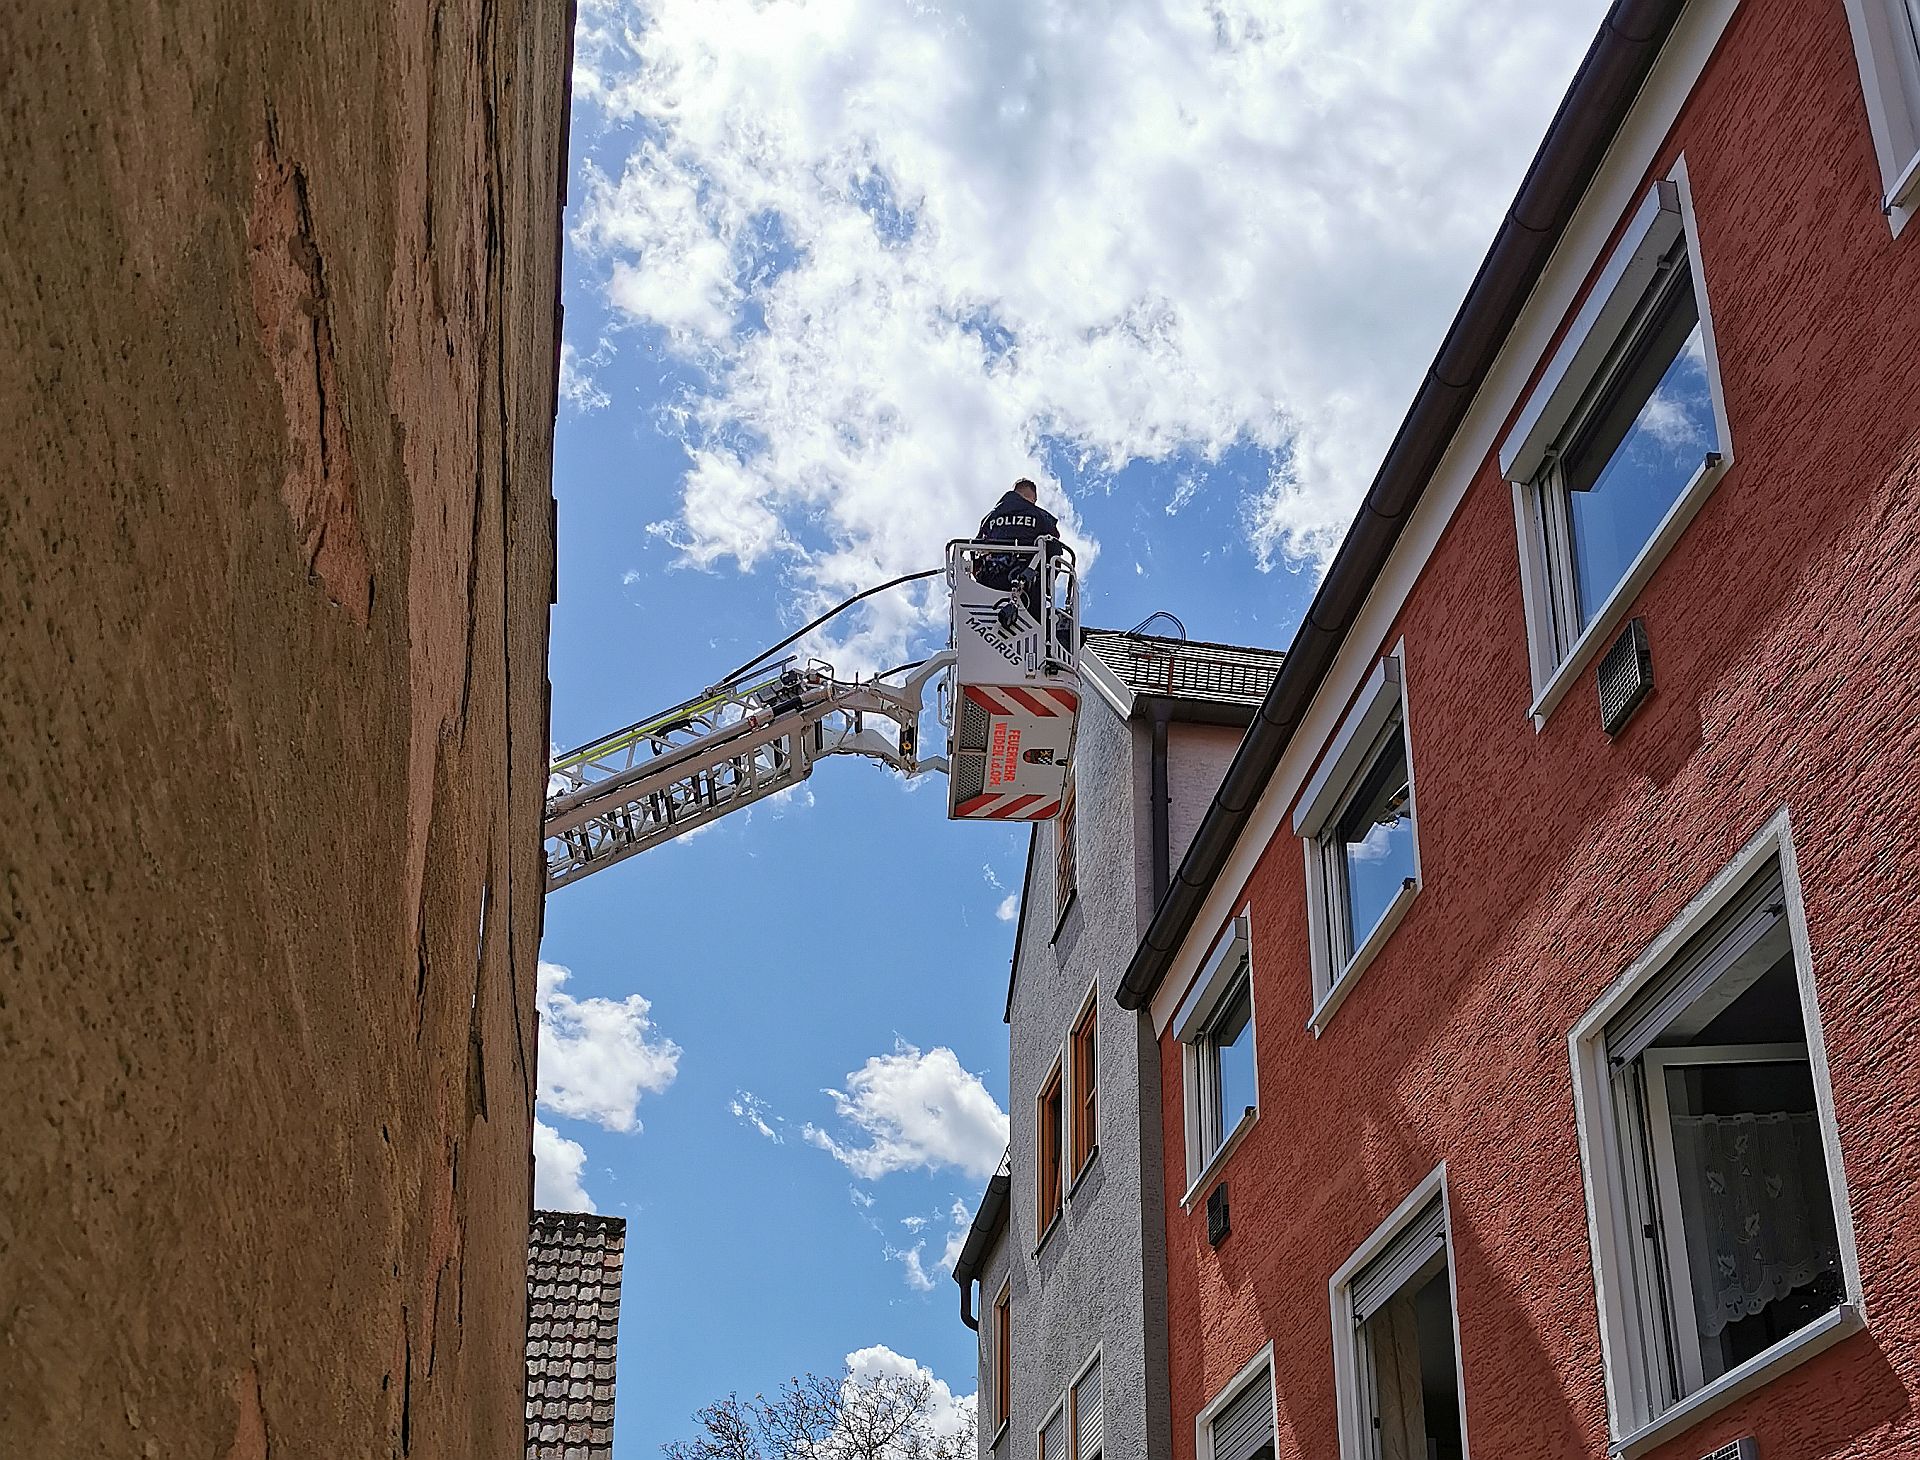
(975, 726)
(969, 772)
(1625, 677)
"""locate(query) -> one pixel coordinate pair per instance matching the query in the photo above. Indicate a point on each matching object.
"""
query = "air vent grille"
(1744, 1448)
(975, 725)
(1625, 676)
(1219, 1220)
(969, 773)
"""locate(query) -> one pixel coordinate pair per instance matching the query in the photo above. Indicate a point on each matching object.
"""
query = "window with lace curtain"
(1720, 1242)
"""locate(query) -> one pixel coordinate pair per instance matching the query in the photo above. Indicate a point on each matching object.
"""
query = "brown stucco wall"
(277, 316)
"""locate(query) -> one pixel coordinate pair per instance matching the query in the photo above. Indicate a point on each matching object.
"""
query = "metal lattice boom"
(735, 745)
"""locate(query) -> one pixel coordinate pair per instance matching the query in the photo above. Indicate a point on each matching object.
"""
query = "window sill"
(1081, 1175)
(1823, 1333)
(1054, 1224)
(1323, 1012)
(1599, 633)
(1220, 1157)
(1904, 196)
(998, 1435)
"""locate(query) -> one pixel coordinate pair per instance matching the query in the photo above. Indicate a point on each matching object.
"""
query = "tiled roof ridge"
(582, 1219)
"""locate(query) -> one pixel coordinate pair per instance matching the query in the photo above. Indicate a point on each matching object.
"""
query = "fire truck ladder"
(739, 743)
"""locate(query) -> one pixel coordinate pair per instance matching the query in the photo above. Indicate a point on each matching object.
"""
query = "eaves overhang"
(1591, 113)
(989, 1223)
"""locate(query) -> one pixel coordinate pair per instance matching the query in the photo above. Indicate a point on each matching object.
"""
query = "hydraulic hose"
(840, 607)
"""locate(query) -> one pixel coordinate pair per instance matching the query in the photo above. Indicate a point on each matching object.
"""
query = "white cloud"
(557, 1164)
(793, 798)
(993, 877)
(1009, 905)
(597, 1056)
(906, 253)
(913, 1259)
(750, 1109)
(947, 1414)
(577, 384)
(915, 1110)
(918, 1278)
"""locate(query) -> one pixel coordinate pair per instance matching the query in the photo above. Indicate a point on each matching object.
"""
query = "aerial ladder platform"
(1008, 691)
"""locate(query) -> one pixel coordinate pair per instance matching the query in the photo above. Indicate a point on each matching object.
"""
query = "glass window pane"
(1755, 1221)
(1232, 1040)
(1375, 838)
(1637, 453)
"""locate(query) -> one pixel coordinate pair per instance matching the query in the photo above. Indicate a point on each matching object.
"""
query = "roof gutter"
(987, 1224)
(1591, 113)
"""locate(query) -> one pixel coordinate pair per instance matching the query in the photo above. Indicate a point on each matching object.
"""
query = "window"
(1085, 1412)
(1618, 444)
(1631, 448)
(1066, 871)
(1047, 1172)
(1707, 1127)
(1215, 1028)
(1396, 1348)
(1000, 1340)
(1356, 817)
(1239, 1423)
(1886, 39)
(1052, 1441)
(1083, 1058)
(1226, 1066)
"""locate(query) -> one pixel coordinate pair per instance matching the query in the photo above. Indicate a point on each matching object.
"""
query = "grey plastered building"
(1063, 1270)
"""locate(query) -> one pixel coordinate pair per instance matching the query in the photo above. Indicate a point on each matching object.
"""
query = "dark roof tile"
(573, 1315)
(1226, 674)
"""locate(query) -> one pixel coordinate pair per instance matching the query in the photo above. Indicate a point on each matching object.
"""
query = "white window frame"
(1354, 1413)
(1232, 1390)
(1381, 702)
(1218, 980)
(1633, 1422)
(1665, 217)
(1889, 57)
(1072, 1401)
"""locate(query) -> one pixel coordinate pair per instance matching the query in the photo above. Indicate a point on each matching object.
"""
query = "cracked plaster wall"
(277, 338)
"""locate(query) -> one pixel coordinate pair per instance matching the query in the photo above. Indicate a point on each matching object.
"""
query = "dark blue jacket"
(1017, 521)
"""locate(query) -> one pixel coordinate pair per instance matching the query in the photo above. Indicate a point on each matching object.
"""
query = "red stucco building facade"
(1559, 873)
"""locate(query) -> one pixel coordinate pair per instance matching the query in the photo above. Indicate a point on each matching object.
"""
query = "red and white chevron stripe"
(1005, 699)
(1005, 806)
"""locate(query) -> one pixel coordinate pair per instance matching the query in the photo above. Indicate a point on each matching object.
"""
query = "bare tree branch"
(818, 1417)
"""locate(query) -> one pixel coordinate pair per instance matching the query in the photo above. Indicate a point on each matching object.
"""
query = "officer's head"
(1027, 489)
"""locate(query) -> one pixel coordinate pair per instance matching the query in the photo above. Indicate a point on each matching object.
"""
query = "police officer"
(1019, 519)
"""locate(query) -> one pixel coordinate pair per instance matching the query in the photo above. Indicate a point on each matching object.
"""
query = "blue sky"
(837, 271)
